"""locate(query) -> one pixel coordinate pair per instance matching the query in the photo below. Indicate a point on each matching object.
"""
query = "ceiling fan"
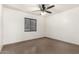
(44, 8)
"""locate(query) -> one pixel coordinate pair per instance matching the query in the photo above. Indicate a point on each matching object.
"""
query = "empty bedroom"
(39, 28)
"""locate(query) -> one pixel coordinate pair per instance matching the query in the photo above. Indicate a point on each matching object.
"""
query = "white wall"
(14, 26)
(64, 26)
(0, 26)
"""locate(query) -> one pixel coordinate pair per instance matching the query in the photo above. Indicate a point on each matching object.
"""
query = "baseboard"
(62, 41)
(44, 37)
(23, 41)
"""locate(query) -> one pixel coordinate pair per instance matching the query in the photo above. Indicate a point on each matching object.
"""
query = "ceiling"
(30, 8)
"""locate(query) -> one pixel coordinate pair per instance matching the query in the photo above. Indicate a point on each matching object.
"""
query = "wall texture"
(64, 26)
(14, 26)
(0, 26)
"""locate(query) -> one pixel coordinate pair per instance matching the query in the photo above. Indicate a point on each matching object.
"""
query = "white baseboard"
(20, 41)
(70, 42)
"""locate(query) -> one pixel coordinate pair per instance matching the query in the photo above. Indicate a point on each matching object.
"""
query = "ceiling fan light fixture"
(44, 8)
(43, 13)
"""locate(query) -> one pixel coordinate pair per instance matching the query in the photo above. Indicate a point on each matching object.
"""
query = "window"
(30, 25)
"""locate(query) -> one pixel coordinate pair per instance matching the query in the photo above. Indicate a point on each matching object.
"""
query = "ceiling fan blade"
(40, 6)
(50, 6)
(48, 12)
(35, 10)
